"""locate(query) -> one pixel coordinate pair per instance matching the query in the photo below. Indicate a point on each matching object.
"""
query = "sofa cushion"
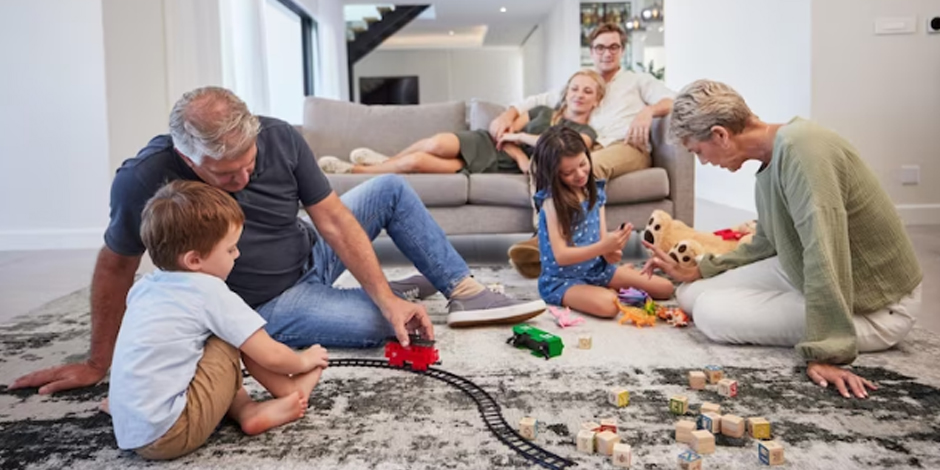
(495, 189)
(336, 127)
(481, 113)
(434, 190)
(651, 184)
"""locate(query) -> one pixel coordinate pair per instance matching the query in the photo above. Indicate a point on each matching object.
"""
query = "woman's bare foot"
(104, 406)
(258, 417)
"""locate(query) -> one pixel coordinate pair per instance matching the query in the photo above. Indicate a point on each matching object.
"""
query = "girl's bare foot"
(258, 417)
(104, 406)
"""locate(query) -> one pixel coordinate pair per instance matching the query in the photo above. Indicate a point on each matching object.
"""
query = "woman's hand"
(671, 267)
(509, 138)
(825, 374)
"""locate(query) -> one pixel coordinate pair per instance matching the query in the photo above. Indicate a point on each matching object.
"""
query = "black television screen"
(388, 90)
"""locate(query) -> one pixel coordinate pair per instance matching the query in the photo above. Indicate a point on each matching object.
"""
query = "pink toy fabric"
(563, 317)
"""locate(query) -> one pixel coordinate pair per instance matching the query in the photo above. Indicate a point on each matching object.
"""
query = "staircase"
(367, 26)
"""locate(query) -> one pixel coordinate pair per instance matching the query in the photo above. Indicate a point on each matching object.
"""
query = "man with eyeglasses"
(622, 120)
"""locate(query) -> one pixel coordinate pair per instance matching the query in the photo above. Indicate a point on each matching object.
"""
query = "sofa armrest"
(680, 166)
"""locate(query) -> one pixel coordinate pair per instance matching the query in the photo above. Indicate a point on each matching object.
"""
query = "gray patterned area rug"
(366, 418)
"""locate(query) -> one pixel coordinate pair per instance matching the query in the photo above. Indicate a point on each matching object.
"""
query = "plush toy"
(684, 244)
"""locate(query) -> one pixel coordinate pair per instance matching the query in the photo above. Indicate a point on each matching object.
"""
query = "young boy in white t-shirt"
(176, 369)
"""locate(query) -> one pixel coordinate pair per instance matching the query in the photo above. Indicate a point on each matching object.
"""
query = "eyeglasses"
(613, 48)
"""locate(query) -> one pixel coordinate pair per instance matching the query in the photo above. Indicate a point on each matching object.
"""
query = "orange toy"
(638, 316)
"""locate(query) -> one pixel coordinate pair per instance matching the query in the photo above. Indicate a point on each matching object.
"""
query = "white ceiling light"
(450, 33)
(502, 10)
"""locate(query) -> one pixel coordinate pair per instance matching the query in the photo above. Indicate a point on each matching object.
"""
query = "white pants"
(756, 304)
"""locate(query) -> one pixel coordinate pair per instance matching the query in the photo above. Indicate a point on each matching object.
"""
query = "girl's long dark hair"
(556, 143)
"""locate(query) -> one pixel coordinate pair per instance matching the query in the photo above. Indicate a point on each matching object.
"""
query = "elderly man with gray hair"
(831, 269)
(287, 266)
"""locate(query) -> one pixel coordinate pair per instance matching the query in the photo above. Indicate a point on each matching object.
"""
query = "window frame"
(308, 28)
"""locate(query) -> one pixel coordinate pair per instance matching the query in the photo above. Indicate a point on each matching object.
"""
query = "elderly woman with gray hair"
(831, 269)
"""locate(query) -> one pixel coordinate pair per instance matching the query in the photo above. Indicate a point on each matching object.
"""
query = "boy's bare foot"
(306, 382)
(104, 406)
(258, 417)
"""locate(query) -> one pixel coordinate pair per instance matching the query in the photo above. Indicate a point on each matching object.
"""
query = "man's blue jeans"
(314, 312)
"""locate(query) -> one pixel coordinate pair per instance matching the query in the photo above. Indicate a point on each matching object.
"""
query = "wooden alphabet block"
(679, 404)
(584, 342)
(608, 424)
(697, 380)
(714, 374)
(586, 441)
(528, 428)
(728, 388)
(684, 430)
(590, 426)
(770, 453)
(732, 426)
(710, 422)
(758, 428)
(703, 442)
(710, 408)
(606, 441)
(689, 460)
(618, 397)
(623, 455)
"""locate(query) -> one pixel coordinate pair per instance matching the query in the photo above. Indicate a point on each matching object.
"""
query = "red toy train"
(420, 354)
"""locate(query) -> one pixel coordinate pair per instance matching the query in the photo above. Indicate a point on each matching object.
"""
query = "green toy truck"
(541, 343)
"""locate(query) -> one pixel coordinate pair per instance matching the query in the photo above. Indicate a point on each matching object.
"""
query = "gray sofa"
(486, 203)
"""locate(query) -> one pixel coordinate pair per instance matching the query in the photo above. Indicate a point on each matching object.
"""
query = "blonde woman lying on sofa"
(476, 151)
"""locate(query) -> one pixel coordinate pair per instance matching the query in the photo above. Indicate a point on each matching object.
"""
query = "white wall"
(54, 172)
(882, 93)
(562, 33)
(491, 74)
(762, 49)
(136, 75)
(533, 62)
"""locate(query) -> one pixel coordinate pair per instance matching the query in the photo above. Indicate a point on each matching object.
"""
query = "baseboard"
(919, 214)
(51, 239)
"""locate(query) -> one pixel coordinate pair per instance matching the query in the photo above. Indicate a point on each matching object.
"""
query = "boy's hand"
(316, 356)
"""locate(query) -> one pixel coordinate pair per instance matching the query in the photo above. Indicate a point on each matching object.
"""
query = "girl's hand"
(616, 240)
(613, 257)
(508, 138)
(669, 266)
(523, 165)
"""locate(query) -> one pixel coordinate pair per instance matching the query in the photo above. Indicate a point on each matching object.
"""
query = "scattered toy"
(770, 453)
(709, 407)
(539, 342)
(679, 405)
(606, 441)
(528, 428)
(703, 442)
(684, 430)
(638, 316)
(732, 426)
(758, 428)
(584, 342)
(623, 455)
(714, 374)
(728, 388)
(689, 460)
(697, 380)
(563, 317)
(420, 354)
(586, 441)
(618, 397)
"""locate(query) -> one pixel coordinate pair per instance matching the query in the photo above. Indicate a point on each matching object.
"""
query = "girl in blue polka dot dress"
(579, 255)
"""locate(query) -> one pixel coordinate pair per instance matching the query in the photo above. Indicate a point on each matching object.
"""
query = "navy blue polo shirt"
(275, 245)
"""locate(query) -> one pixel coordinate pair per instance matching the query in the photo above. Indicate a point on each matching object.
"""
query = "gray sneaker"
(488, 307)
(413, 288)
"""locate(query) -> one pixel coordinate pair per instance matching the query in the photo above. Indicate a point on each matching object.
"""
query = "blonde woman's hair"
(563, 103)
(704, 104)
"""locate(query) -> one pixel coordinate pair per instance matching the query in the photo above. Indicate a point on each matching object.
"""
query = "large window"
(290, 40)
(270, 61)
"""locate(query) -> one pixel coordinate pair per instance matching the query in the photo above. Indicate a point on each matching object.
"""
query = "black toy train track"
(489, 411)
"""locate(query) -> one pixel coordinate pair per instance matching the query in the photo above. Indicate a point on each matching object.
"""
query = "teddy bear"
(684, 244)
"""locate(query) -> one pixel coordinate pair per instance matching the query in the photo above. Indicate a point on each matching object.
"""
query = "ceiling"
(470, 23)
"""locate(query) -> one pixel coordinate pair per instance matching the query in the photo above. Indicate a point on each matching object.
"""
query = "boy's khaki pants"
(209, 396)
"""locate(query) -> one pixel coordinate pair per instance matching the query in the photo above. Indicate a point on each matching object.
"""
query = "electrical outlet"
(910, 175)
